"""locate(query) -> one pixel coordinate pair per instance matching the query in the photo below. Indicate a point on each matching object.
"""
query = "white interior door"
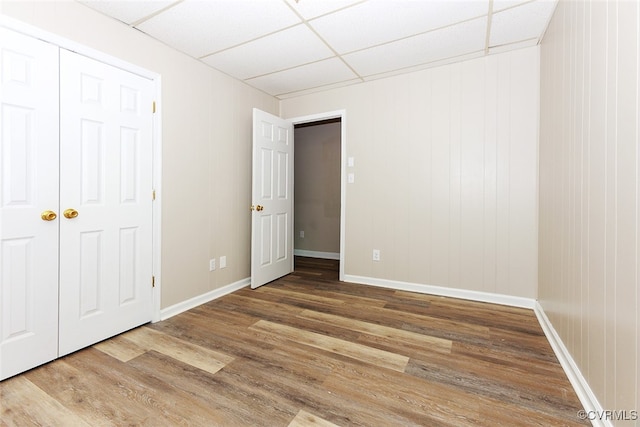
(106, 179)
(272, 193)
(28, 189)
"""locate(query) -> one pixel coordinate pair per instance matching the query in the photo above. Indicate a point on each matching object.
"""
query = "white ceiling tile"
(446, 61)
(312, 8)
(380, 21)
(499, 5)
(319, 89)
(308, 76)
(199, 27)
(521, 22)
(288, 48)
(128, 11)
(265, 43)
(453, 41)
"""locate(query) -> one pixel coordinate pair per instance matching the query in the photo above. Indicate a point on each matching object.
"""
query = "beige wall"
(317, 188)
(206, 138)
(445, 173)
(589, 192)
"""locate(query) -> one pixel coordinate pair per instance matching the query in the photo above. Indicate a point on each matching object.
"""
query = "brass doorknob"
(48, 215)
(70, 213)
(259, 208)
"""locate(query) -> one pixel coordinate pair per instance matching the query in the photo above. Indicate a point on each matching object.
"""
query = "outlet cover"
(223, 261)
(376, 254)
(212, 264)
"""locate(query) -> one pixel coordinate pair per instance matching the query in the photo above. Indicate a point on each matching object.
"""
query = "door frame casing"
(342, 115)
(64, 43)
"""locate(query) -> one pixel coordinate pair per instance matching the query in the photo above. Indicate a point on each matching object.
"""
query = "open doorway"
(319, 188)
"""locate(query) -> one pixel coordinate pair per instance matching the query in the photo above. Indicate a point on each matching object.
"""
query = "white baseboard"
(171, 311)
(317, 254)
(592, 407)
(445, 292)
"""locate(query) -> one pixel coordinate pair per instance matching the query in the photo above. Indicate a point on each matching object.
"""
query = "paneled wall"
(589, 192)
(445, 174)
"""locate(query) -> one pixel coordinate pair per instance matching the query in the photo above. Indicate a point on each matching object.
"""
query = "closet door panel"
(106, 177)
(28, 202)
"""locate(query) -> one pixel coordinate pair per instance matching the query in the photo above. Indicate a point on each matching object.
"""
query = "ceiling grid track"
(287, 48)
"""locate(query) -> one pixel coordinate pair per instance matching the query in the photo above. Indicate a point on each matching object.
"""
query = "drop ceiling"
(291, 47)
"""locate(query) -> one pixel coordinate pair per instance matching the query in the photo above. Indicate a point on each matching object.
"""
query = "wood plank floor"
(308, 350)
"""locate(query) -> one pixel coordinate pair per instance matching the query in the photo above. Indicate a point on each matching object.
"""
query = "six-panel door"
(28, 189)
(272, 192)
(105, 164)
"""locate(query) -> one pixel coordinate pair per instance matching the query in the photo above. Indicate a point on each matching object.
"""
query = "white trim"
(445, 292)
(203, 299)
(316, 254)
(342, 114)
(157, 204)
(64, 43)
(585, 394)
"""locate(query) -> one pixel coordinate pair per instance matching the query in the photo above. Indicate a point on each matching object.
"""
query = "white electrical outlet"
(376, 254)
(212, 264)
(301, 234)
(223, 261)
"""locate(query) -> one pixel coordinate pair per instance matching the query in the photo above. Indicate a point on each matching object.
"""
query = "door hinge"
(153, 281)
(153, 108)
(153, 195)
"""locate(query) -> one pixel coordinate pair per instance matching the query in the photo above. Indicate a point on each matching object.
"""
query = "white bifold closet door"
(105, 176)
(29, 169)
(76, 214)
